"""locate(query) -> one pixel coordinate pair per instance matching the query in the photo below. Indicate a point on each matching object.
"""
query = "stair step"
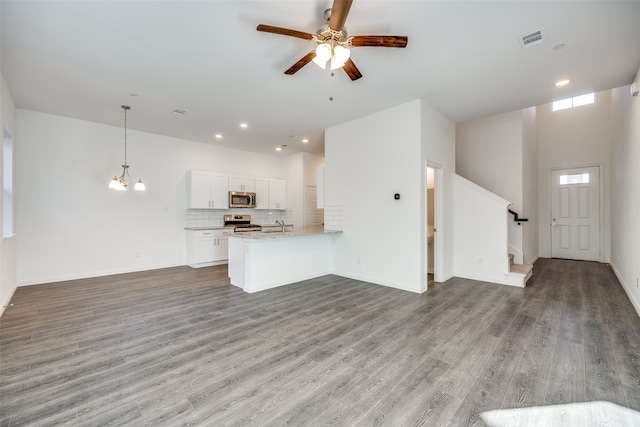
(519, 274)
(520, 268)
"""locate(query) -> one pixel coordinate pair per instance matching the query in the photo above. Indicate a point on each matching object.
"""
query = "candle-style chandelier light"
(121, 183)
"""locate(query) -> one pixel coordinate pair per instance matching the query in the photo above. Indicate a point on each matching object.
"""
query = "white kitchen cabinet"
(221, 247)
(207, 247)
(242, 183)
(262, 193)
(277, 194)
(207, 190)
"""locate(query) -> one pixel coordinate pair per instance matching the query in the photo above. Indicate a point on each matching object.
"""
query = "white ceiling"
(83, 59)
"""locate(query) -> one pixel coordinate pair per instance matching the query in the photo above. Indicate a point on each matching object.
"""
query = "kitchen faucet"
(280, 223)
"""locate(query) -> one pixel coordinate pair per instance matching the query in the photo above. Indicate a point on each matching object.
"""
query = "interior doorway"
(313, 216)
(434, 253)
(575, 213)
(431, 177)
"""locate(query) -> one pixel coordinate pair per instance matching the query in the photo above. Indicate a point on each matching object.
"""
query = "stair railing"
(516, 218)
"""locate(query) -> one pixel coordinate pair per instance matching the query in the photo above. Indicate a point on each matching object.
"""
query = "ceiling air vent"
(532, 39)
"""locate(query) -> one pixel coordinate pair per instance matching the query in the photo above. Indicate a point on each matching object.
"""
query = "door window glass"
(574, 178)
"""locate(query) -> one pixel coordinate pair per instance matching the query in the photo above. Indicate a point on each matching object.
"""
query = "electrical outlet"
(138, 254)
(479, 261)
(358, 260)
(637, 282)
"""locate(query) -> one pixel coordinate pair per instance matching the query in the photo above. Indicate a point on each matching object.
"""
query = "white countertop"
(303, 232)
(209, 227)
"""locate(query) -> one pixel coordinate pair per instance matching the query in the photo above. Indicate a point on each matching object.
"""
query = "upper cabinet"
(271, 193)
(210, 190)
(277, 194)
(242, 183)
(262, 193)
(207, 190)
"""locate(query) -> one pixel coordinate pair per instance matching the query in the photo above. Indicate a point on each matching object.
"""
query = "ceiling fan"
(333, 43)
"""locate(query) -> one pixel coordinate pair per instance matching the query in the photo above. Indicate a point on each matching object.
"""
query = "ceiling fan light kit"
(333, 43)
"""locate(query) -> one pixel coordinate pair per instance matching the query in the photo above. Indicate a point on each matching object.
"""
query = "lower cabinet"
(207, 247)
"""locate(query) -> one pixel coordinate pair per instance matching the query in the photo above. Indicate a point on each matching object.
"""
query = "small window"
(563, 104)
(576, 101)
(583, 99)
(574, 178)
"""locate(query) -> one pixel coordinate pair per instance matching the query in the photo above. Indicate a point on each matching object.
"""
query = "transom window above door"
(574, 178)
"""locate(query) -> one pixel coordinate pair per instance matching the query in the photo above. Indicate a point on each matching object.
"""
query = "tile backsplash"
(333, 217)
(215, 218)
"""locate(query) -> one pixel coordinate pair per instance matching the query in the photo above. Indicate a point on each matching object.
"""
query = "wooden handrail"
(516, 218)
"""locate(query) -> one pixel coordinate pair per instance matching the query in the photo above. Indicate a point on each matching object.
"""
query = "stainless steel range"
(240, 223)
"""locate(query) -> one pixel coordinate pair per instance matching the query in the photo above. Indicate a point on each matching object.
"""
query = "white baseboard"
(289, 281)
(627, 289)
(377, 282)
(65, 278)
(5, 303)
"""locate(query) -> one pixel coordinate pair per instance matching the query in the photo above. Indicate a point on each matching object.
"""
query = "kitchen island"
(259, 260)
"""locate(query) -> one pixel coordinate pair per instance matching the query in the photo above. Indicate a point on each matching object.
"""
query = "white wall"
(489, 153)
(367, 161)
(312, 162)
(530, 185)
(301, 171)
(437, 138)
(500, 153)
(625, 199)
(571, 138)
(480, 232)
(370, 159)
(8, 250)
(295, 187)
(71, 225)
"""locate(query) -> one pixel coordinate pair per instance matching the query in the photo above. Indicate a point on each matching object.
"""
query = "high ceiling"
(83, 59)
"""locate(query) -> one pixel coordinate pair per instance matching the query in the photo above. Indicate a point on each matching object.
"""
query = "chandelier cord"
(125, 108)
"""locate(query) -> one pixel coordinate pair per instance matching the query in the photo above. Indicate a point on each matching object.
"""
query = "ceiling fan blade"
(301, 63)
(379, 41)
(352, 71)
(339, 12)
(284, 31)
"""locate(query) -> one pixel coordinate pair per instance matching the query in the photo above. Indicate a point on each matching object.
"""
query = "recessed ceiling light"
(133, 94)
(563, 82)
(559, 46)
(219, 135)
(179, 111)
(244, 125)
(278, 148)
(305, 140)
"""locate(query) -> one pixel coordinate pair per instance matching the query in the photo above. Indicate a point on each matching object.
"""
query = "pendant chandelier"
(121, 183)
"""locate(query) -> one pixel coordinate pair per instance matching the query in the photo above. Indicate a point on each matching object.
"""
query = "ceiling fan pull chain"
(331, 86)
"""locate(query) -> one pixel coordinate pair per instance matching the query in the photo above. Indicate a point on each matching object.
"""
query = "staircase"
(518, 273)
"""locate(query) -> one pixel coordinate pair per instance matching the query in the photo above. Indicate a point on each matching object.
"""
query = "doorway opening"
(313, 215)
(431, 188)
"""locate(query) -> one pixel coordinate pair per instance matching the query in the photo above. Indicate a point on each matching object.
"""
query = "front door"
(575, 213)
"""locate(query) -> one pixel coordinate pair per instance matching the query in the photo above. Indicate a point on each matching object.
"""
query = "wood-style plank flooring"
(181, 346)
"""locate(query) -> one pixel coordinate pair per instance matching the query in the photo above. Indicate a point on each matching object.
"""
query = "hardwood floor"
(182, 347)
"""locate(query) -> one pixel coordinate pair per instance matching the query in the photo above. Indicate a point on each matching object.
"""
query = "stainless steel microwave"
(240, 199)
